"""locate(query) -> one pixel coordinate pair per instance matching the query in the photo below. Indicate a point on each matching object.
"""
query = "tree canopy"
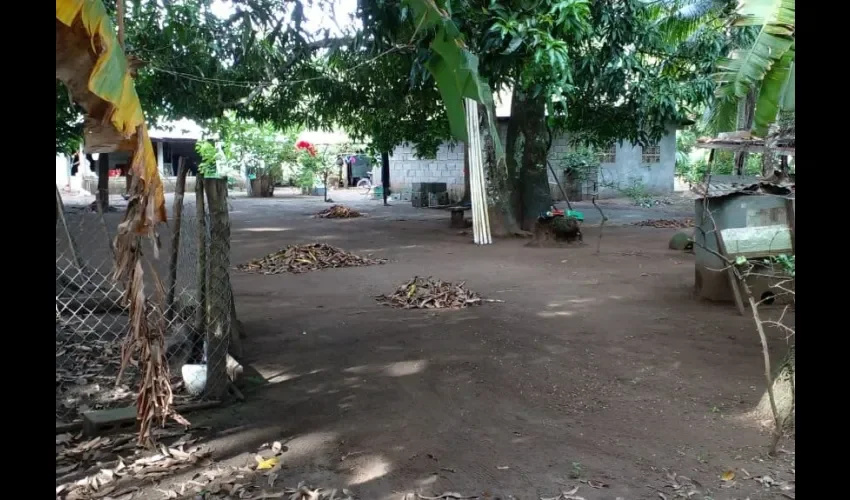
(620, 69)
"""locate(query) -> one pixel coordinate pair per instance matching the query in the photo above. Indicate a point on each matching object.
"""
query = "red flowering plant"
(314, 166)
(306, 146)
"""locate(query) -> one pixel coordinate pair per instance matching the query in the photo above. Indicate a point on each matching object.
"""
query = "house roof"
(725, 185)
(182, 129)
(744, 141)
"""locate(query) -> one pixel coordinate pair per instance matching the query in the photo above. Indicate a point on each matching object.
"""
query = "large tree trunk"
(784, 383)
(527, 143)
(499, 185)
(261, 187)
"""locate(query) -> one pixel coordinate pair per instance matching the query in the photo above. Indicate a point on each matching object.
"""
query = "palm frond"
(754, 68)
(789, 97)
(770, 94)
(722, 114)
(680, 19)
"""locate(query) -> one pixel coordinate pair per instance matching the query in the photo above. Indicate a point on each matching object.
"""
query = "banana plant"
(454, 68)
(767, 66)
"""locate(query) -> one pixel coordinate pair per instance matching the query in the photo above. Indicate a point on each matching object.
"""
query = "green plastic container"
(575, 214)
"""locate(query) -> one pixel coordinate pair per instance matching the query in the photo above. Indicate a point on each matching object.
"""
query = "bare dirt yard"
(601, 372)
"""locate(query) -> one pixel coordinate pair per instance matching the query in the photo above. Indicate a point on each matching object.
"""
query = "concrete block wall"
(628, 169)
(447, 166)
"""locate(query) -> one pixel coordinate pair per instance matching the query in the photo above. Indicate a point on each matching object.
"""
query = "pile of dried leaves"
(86, 367)
(115, 468)
(666, 223)
(338, 212)
(429, 293)
(303, 258)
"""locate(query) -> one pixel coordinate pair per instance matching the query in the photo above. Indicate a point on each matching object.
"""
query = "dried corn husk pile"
(429, 293)
(338, 212)
(665, 223)
(303, 258)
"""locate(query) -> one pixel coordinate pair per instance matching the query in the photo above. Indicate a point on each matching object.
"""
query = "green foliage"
(767, 66)
(724, 164)
(636, 191)
(198, 66)
(243, 145)
(685, 141)
(785, 263)
(211, 157)
(69, 123)
(582, 161)
(381, 103)
(318, 167)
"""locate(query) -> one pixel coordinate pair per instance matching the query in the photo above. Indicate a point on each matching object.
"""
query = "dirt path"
(595, 368)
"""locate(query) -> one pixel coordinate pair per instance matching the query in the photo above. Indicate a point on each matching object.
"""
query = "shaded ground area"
(594, 370)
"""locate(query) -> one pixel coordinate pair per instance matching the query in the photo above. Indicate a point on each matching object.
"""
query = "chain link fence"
(192, 293)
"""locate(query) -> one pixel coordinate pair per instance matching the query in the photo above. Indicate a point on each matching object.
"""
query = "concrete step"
(112, 420)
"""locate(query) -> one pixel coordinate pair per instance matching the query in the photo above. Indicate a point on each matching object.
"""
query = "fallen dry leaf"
(266, 463)
(728, 475)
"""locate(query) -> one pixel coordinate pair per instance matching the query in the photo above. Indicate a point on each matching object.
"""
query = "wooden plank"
(757, 241)
(750, 148)
(790, 209)
(730, 271)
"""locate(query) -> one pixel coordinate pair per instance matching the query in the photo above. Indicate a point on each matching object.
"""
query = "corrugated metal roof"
(724, 185)
(180, 129)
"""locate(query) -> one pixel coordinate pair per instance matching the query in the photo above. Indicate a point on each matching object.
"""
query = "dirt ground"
(595, 368)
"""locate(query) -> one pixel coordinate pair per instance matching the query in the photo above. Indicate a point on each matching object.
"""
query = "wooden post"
(179, 191)
(218, 294)
(72, 244)
(730, 271)
(385, 175)
(200, 213)
(102, 198)
(236, 333)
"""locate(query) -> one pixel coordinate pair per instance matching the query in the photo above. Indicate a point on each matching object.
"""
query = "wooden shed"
(742, 216)
(753, 218)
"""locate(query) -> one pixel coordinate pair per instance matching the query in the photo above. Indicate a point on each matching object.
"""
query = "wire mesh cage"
(92, 315)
